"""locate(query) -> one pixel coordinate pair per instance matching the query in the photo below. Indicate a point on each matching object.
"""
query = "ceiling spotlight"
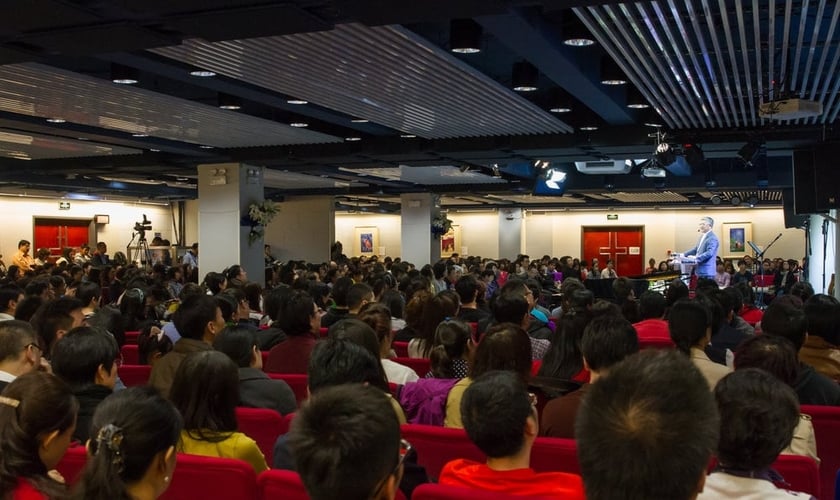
(588, 128)
(524, 77)
(735, 200)
(298, 124)
(542, 164)
(497, 172)
(635, 99)
(611, 74)
(202, 73)
(408, 136)
(715, 199)
(124, 75)
(140, 134)
(297, 101)
(205, 146)
(359, 120)
(231, 102)
(153, 150)
(560, 109)
(575, 33)
(352, 139)
(554, 178)
(664, 154)
(56, 120)
(464, 36)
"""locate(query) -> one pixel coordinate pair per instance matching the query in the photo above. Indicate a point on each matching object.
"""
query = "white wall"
(19, 213)
(389, 232)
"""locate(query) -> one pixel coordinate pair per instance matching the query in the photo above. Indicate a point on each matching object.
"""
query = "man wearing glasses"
(19, 351)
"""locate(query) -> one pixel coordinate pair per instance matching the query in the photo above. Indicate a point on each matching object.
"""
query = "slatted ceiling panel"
(707, 64)
(528, 199)
(769, 195)
(25, 146)
(435, 175)
(293, 180)
(385, 74)
(596, 196)
(650, 197)
(44, 91)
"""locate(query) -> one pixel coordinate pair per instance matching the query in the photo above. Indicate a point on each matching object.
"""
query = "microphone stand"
(759, 257)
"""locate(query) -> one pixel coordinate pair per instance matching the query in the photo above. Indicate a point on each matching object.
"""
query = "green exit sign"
(64, 205)
(612, 216)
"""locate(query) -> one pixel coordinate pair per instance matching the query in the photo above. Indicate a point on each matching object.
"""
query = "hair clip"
(14, 403)
(111, 437)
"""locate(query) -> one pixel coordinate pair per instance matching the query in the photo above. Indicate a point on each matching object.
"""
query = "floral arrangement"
(259, 216)
(440, 225)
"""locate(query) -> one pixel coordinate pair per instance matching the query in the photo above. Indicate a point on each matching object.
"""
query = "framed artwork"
(366, 241)
(735, 238)
(451, 242)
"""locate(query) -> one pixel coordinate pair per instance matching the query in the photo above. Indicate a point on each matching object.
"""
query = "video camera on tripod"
(140, 228)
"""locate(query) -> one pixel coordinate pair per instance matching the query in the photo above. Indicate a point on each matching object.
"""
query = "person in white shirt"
(19, 351)
(609, 272)
(378, 317)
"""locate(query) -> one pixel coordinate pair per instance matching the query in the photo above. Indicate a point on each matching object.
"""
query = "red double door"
(624, 245)
(57, 234)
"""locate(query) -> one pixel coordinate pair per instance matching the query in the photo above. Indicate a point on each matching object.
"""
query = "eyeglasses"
(405, 449)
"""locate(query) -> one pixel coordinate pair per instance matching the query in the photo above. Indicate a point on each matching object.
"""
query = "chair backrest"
(134, 375)
(432, 491)
(212, 477)
(297, 381)
(285, 484)
(400, 348)
(131, 337)
(323, 331)
(826, 421)
(130, 354)
(436, 446)
(263, 426)
(763, 280)
(801, 474)
(419, 365)
(264, 356)
(655, 343)
(72, 463)
(555, 455)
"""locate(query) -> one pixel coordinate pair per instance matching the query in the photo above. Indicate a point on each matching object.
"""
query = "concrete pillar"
(510, 232)
(304, 229)
(418, 245)
(225, 191)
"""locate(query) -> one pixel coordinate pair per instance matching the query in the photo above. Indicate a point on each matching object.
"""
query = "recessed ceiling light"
(589, 128)
(230, 102)
(205, 146)
(359, 120)
(561, 109)
(352, 139)
(82, 139)
(297, 101)
(408, 136)
(140, 134)
(202, 73)
(56, 120)
(154, 150)
(639, 105)
(298, 124)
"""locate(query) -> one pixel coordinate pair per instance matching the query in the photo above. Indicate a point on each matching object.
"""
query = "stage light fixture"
(464, 36)
(611, 74)
(664, 154)
(555, 178)
(524, 77)
(497, 172)
(124, 75)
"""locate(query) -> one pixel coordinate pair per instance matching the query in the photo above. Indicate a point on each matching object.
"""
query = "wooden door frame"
(641, 228)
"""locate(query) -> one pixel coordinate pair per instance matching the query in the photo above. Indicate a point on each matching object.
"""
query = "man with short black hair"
(647, 430)
(55, 318)
(19, 351)
(500, 418)
(10, 295)
(358, 295)
(346, 443)
(338, 311)
(467, 290)
(652, 311)
(22, 258)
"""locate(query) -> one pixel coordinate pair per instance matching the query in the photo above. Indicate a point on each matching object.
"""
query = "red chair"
(131, 337)
(555, 455)
(72, 463)
(432, 491)
(420, 365)
(801, 474)
(212, 477)
(263, 426)
(400, 348)
(130, 354)
(284, 484)
(323, 332)
(655, 343)
(438, 445)
(133, 375)
(297, 381)
(264, 355)
(826, 421)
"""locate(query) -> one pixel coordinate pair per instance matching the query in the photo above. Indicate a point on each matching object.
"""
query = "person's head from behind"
(606, 341)
(339, 290)
(199, 318)
(467, 289)
(19, 349)
(652, 305)
(152, 345)
(785, 318)
(299, 314)
(822, 313)
(676, 290)
(346, 444)
(336, 361)
(758, 414)
(240, 344)
(378, 317)
(647, 429)
(498, 414)
(86, 356)
(505, 346)
(362, 334)
(358, 295)
(37, 421)
(451, 343)
(802, 289)
(689, 323)
(132, 445)
(206, 391)
(55, 318)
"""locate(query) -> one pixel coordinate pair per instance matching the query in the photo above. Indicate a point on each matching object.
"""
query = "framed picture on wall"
(735, 238)
(451, 242)
(366, 241)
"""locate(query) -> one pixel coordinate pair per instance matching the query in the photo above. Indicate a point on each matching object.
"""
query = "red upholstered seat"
(438, 445)
(433, 491)
(263, 426)
(72, 463)
(131, 337)
(133, 375)
(264, 355)
(212, 477)
(297, 381)
(323, 331)
(656, 344)
(130, 354)
(419, 365)
(285, 484)
(826, 420)
(555, 455)
(400, 348)
(800, 473)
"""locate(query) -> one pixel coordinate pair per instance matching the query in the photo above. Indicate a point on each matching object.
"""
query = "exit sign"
(612, 216)
(64, 205)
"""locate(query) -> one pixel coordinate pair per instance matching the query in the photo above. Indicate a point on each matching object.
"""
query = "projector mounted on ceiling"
(789, 109)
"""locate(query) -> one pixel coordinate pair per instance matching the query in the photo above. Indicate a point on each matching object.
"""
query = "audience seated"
(205, 391)
(758, 414)
(54, 318)
(198, 320)
(453, 345)
(256, 389)
(87, 359)
(467, 289)
(152, 345)
(273, 335)
(378, 317)
(652, 326)
(37, 420)
(19, 350)
(501, 419)
(300, 321)
(434, 310)
(512, 306)
(690, 324)
(338, 310)
(346, 443)
(822, 345)
(563, 360)
(132, 447)
(647, 430)
(606, 341)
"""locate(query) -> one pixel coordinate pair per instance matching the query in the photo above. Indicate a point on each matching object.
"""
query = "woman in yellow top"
(206, 391)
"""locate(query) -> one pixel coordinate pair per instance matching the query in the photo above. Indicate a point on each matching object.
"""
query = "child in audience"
(206, 391)
(132, 447)
(37, 420)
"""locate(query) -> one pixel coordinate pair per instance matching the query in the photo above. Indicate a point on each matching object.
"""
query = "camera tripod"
(139, 253)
